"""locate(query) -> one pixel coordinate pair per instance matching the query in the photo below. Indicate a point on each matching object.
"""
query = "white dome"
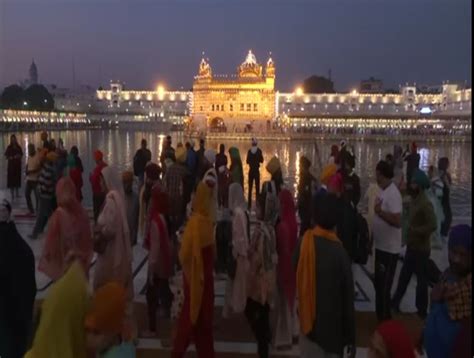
(250, 59)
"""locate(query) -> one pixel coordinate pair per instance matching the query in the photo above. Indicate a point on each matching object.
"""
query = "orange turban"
(98, 155)
(107, 310)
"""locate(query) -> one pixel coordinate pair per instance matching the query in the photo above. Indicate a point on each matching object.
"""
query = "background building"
(372, 85)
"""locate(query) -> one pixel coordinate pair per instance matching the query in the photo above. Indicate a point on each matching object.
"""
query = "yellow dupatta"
(198, 233)
(61, 332)
(306, 276)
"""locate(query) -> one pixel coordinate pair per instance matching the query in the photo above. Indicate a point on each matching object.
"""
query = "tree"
(12, 97)
(318, 84)
(38, 98)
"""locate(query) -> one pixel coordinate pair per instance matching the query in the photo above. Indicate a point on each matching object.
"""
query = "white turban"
(210, 155)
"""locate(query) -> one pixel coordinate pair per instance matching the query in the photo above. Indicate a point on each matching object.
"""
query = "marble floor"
(235, 347)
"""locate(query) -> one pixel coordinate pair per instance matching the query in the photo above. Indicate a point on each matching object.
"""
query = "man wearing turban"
(448, 330)
(422, 223)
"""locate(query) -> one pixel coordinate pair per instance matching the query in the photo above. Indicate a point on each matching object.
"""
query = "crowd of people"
(295, 257)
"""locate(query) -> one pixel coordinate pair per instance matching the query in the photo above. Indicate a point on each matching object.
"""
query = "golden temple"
(242, 102)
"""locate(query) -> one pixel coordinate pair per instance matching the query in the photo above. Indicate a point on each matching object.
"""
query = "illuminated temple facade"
(234, 102)
(248, 100)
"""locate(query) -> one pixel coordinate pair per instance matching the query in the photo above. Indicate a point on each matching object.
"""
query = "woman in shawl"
(286, 241)
(68, 232)
(75, 174)
(160, 263)
(236, 288)
(261, 280)
(112, 242)
(14, 155)
(151, 176)
(61, 332)
(391, 340)
(197, 259)
(17, 295)
(236, 171)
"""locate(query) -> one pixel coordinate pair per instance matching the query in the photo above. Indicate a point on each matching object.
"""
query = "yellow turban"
(328, 171)
(180, 154)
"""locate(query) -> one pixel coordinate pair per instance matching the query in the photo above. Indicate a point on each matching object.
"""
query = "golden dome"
(204, 68)
(250, 67)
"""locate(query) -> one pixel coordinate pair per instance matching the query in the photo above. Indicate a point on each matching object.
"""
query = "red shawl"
(287, 235)
(160, 206)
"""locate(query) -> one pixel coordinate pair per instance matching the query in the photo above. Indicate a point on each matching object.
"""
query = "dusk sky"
(146, 42)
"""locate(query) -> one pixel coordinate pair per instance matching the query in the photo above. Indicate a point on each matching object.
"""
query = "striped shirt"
(47, 180)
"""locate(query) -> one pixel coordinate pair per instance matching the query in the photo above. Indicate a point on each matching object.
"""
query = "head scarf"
(210, 155)
(287, 236)
(397, 342)
(152, 171)
(413, 147)
(236, 197)
(328, 172)
(71, 161)
(107, 310)
(98, 155)
(70, 212)
(234, 154)
(420, 178)
(460, 235)
(159, 206)
(197, 235)
(113, 180)
(306, 276)
(5, 210)
(61, 329)
(115, 194)
(210, 177)
(273, 165)
(180, 154)
(272, 205)
(127, 177)
(66, 195)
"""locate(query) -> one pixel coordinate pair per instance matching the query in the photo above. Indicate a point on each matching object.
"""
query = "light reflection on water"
(119, 147)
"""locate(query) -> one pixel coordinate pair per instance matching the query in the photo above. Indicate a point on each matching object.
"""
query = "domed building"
(241, 102)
